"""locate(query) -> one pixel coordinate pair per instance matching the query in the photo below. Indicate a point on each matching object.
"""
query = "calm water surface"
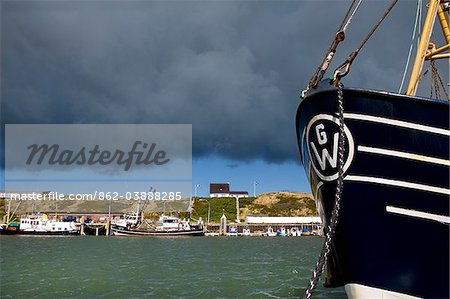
(121, 267)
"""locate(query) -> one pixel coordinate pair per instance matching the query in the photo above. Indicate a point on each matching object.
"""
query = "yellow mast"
(8, 213)
(443, 19)
(435, 8)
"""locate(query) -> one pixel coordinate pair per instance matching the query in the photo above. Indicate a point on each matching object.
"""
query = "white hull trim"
(418, 214)
(359, 291)
(397, 123)
(397, 183)
(404, 155)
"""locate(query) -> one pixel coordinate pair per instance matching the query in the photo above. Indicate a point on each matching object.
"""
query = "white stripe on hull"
(397, 183)
(418, 214)
(404, 155)
(397, 123)
(359, 291)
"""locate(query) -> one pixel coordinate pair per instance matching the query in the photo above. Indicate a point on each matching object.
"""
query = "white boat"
(40, 224)
(270, 232)
(295, 232)
(127, 220)
(232, 231)
(170, 223)
(282, 232)
(246, 232)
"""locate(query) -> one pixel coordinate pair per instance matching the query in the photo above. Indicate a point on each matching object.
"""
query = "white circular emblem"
(322, 137)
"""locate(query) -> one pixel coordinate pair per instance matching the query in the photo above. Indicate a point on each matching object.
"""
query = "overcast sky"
(232, 69)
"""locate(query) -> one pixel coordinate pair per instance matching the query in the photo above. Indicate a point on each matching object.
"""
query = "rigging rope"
(347, 63)
(377, 25)
(351, 16)
(411, 46)
(346, 15)
(339, 36)
(331, 228)
(420, 26)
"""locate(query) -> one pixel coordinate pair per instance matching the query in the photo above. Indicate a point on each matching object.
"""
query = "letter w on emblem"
(326, 155)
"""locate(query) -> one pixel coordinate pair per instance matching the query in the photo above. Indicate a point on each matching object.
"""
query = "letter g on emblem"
(322, 137)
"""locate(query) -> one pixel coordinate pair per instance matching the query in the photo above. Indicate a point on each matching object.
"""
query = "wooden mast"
(435, 8)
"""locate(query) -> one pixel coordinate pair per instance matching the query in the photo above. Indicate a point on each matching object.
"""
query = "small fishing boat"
(379, 161)
(157, 233)
(166, 227)
(127, 220)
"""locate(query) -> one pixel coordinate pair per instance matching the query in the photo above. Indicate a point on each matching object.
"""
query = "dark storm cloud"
(232, 69)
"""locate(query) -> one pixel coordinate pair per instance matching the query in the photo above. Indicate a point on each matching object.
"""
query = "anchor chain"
(324, 254)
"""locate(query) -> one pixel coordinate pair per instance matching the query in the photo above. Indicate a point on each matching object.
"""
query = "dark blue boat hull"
(118, 231)
(393, 230)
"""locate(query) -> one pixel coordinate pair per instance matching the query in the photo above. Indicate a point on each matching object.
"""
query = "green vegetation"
(218, 205)
(270, 204)
(288, 205)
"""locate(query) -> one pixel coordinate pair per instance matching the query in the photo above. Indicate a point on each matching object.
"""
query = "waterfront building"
(283, 220)
(223, 190)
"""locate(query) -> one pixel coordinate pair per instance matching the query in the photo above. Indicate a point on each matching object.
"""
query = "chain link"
(324, 254)
(436, 82)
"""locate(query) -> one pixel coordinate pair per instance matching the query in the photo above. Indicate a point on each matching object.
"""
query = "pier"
(93, 223)
(260, 225)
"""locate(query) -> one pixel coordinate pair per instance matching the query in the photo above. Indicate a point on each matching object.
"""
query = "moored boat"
(282, 232)
(128, 220)
(270, 232)
(295, 232)
(246, 232)
(40, 224)
(157, 233)
(379, 161)
(305, 232)
(167, 226)
(232, 231)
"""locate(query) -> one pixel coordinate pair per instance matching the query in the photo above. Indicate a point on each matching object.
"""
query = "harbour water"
(116, 267)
